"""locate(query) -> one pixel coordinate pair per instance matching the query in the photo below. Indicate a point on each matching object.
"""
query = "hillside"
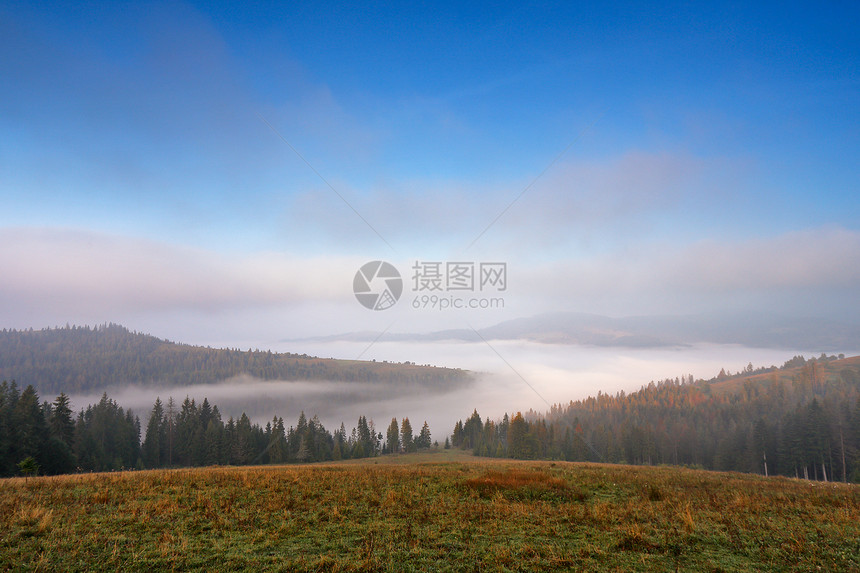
(821, 369)
(458, 514)
(84, 359)
(800, 420)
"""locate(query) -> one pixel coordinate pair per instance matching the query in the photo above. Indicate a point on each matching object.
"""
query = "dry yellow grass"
(428, 512)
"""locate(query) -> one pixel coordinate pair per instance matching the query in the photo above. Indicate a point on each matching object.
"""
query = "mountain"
(83, 359)
(747, 329)
(758, 330)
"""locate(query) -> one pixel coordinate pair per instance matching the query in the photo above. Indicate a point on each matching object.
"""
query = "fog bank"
(509, 376)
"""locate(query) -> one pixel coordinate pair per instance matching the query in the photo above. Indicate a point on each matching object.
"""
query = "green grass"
(428, 512)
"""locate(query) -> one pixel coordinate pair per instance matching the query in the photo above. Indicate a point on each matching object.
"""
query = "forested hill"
(800, 420)
(81, 359)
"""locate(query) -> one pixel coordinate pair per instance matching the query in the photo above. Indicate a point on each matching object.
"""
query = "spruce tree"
(424, 441)
(392, 437)
(153, 442)
(61, 423)
(406, 437)
(32, 429)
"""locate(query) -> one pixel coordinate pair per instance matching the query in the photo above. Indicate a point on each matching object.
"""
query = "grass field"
(428, 512)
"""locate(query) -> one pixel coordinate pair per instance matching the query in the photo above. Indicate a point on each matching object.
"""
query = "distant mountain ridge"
(758, 330)
(85, 359)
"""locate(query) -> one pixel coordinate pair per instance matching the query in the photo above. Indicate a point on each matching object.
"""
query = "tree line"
(79, 359)
(801, 420)
(195, 435)
(48, 438)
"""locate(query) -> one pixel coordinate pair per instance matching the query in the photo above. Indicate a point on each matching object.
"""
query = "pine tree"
(32, 429)
(457, 438)
(364, 438)
(153, 443)
(214, 438)
(243, 445)
(107, 437)
(302, 454)
(406, 437)
(187, 425)
(518, 446)
(228, 448)
(472, 430)
(61, 423)
(424, 440)
(278, 444)
(392, 437)
(28, 466)
(340, 441)
(170, 429)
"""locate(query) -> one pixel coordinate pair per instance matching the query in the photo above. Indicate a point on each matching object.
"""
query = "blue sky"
(710, 159)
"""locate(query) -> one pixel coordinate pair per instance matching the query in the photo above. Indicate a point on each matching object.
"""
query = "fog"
(522, 376)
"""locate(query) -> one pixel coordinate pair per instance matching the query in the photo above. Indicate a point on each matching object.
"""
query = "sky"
(218, 175)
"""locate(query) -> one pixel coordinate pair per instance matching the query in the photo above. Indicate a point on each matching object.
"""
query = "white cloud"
(51, 267)
(576, 200)
(54, 276)
(807, 270)
(813, 258)
(632, 183)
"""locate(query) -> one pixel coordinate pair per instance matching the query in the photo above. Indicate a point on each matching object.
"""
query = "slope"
(83, 359)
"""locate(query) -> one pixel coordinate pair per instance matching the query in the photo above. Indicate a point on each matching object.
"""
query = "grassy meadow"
(428, 512)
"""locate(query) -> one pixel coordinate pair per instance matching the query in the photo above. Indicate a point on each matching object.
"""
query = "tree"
(28, 466)
(365, 439)
(375, 438)
(392, 437)
(518, 446)
(30, 423)
(321, 442)
(107, 437)
(170, 428)
(187, 426)
(56, 451)
(8, 432)
(214, 440)
(243, 443)
(302, 453)
(472, 430)
(154, 442)
(59, 457)
(278, 442)
(406, 437)
(29, 428)
(341, 447)
(61, 423)
(424, 441)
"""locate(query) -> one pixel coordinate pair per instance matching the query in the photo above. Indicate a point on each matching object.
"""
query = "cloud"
(814, 258)
(86, 275)
(633, 183)
(81, 269)
(801, 272)
(575, 201)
